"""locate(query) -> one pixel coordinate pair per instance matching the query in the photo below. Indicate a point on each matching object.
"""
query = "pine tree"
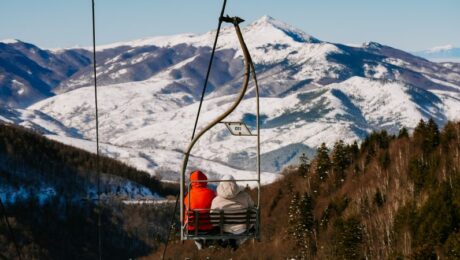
(293, 216)
(433, 136)
(340, 161)
(306, 226)
(403, 133)
(452, 246)
(420, 130)
(304, 165)
(301, 224)
(323, 162)
(353, 151)
(349, 237)
(448, 135)
(427, 136)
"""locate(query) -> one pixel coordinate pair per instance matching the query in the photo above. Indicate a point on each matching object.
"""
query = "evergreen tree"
(340, 161)
(418, 171)
(452, 246)
(301, 224)
(293, 215)
(353, 151)
(323, 162)
(420, 130)
(433, 136)
(448, 135)
(427, 136)
(304, 165)
(349, 237)
(403, 133)
(384, 159)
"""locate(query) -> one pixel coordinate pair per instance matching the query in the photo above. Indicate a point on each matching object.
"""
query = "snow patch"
(440, 48)
(10, 41)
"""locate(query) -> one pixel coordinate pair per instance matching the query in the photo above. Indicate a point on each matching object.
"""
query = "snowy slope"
(312, 92)
(38, 121)
(151, 135)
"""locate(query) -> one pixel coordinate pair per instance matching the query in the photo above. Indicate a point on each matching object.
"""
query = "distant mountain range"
(441, 53)
(312, 92)
(29, 74)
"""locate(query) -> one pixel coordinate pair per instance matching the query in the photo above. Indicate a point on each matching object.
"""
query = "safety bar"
(198, 181)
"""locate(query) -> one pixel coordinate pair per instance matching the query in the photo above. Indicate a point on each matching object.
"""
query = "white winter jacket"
(231, 198)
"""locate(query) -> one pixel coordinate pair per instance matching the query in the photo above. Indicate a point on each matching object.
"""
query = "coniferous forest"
(391, 197)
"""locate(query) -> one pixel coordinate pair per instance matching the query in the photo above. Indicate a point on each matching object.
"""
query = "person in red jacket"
(199, 197)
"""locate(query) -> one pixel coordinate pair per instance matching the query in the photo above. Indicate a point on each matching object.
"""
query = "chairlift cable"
(98, 172)
(262, 79)
(278, 72)
(209, 67)
(171, 223)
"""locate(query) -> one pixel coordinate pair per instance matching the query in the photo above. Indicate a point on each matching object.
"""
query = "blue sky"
(405, 24)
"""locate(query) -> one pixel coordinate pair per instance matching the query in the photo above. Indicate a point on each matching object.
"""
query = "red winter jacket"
(200, 198)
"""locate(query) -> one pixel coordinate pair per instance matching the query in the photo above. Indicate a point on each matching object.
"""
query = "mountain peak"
(265, 19)
(372, 45)
(296, 34)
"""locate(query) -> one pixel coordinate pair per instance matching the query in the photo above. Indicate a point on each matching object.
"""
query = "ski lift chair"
(249, 217)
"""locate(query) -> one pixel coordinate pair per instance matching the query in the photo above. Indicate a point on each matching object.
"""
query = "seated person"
(199, 197)
(231, 198)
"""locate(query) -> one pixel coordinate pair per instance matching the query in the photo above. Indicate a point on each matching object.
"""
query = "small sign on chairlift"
(238, 128)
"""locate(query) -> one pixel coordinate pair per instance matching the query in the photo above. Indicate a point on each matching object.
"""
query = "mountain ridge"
(312, 92)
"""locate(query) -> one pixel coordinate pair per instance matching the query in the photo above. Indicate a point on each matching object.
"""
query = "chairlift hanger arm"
(247, 60)
(244, 87)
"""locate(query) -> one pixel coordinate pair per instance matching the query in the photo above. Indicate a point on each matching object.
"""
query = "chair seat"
(197, 218)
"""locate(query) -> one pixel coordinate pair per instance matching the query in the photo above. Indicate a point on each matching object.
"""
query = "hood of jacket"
(198, 176)
(228, 189)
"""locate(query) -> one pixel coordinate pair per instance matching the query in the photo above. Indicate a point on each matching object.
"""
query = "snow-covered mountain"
(441, 53)
(29, 74)
(312, 92)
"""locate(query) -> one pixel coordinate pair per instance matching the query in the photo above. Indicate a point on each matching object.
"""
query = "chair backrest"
(248, 217)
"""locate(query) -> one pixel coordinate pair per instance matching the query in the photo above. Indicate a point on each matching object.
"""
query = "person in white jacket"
(231, 198)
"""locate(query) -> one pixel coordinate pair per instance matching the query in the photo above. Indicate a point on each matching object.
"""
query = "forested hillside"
(392, 197)
(49, 191)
